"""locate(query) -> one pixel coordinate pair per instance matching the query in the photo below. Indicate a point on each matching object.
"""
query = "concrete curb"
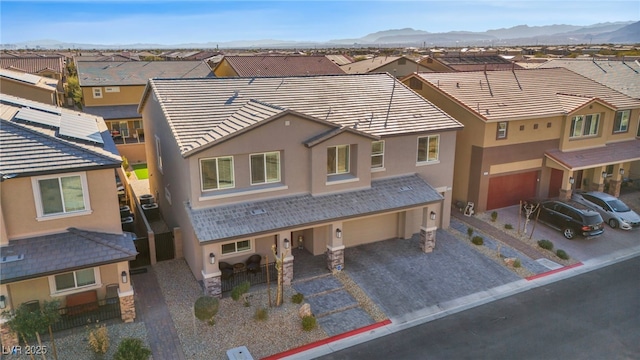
(434, 312)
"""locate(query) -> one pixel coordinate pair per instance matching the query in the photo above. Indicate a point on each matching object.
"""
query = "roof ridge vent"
(258, 211)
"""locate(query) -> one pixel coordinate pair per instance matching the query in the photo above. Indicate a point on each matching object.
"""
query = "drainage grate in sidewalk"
(549, 264)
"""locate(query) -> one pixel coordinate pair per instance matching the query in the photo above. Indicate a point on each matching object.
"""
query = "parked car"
(615, 212)
(570, 217)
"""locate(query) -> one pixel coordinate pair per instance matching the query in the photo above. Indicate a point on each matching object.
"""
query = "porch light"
(432, 215)
(286, 243)
(212, 258)
(621, 171)
(604, 174)
(338, 233)
(3, 302)
(124, 277)
(571, 180)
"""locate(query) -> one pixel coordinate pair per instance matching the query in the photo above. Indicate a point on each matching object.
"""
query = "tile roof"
(618, 74)
(340, 59)
(33, 64)
(106, 73)
(112, 112)
(477, 62)
(368, 65)
(524, 94)
(74, 249)
(28, 148)
(282, 65)
(612, 153)
(236, 220)
(195, 108)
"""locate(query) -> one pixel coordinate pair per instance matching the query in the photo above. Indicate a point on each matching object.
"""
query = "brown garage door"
(510, 189)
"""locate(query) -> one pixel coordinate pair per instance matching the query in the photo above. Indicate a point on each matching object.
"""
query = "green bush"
(132, 349)
(517, 263)
(562, 254)
(477, 240)
(297, 298)
(240, 290)
(470, 231)
(261, 314)
(508, 226)
(205, 308)
(545, 244)
(494, 216)
(309, 323)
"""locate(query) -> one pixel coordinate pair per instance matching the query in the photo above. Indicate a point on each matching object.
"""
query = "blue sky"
(173, 22)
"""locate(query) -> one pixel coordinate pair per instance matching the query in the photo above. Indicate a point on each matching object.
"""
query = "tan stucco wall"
(35, 93)
(400, 71)
(21, 219)
(370, 229)
(128, 95)
(605, 131)
(224, 69)
(135, 153)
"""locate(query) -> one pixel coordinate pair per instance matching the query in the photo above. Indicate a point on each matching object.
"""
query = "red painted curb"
(327, 340)
(533, 277)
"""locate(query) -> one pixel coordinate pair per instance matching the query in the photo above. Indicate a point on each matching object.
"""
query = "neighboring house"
(60, 233)
(232, 66)
(29, 86)
(467, 62)
(398, 66)
(534, 133)
(241, 164)
(47, 66)
(112, 90)
(339, 59)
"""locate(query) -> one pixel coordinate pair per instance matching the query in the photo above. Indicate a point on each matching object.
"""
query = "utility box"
(239, 353)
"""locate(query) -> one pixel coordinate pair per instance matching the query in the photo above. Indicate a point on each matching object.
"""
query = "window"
(428, 148)
(236, 247)
(621, 122)
(338, 159)
(521, 127)
(415, 84)
(74, 280)
(159, 153)
(61, 194)
(265, 168)
(124, 129)
(584, 125)
(501, 132)
(217, 173)
(377, 154)
(97, 93)
(112, 89)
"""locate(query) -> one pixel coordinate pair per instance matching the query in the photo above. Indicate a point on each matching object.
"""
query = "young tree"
(27, 323)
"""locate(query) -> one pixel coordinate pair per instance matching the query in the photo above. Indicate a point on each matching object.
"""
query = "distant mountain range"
(602, 33)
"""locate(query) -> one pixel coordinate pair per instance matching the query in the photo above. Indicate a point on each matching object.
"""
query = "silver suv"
(613, 211)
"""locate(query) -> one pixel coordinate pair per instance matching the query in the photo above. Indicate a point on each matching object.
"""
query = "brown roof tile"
(282, 65)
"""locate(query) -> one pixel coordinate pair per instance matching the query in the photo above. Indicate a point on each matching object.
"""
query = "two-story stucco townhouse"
(60, 229)
(534, 133)
(242, 164)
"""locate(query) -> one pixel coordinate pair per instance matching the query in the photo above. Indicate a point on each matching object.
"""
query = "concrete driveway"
(402, 279)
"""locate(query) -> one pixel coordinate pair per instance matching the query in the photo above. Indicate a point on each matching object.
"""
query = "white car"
(613, 211)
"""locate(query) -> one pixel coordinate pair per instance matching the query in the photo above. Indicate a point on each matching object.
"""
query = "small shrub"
(125, 163)
(297, 298)
(470, 232)
(494, 216)
(205, 308)
(562, 254)
(517, 263)
(477, 240)
(309, 323)
(508, 226)
(132, 349)
(545, 244)
(99, 339)
(128, 173)
(261, 314)
(240, 290)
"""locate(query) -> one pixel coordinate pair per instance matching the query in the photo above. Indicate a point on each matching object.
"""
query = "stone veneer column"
(287, 270)
(335, 258)
(614, 187)
(127, 306)
(428, 238)
(7, 337)
(213, 284)
(565, 194)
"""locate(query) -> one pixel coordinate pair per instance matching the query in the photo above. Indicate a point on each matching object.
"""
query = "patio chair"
(226, 269)
(253, 263)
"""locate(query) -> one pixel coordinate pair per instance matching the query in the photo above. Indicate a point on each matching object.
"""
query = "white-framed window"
(377, 154)
(75, 281)
(584, 125)
(217, 173)
(501, 131)
(338, 159)
(112, 89)
(158, 154)
(236, 247)
(621, 121)
(61, 195)
(428, 148)
(97, 92)
(265, 168)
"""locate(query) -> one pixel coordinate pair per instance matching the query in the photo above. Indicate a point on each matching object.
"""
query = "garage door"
(510, 189)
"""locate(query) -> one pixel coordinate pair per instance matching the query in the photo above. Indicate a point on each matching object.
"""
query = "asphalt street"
(595, 315)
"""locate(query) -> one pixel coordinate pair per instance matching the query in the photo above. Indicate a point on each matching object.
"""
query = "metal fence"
(256, 278)
(86, 314)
